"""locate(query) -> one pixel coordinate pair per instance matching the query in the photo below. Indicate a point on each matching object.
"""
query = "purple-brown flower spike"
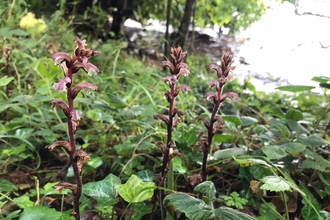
(71, 65)
(177, 66)
(218, 98)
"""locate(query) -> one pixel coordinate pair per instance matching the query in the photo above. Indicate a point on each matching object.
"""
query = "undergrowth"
(259, 156)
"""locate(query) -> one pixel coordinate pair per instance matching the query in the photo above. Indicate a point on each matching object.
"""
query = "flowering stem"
(77, 174)
(70, 66)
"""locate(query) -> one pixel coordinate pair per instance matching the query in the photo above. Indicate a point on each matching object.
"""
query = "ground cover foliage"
(268, 158)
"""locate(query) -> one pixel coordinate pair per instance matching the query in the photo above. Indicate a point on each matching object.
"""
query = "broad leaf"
(274, 152)
(42, 213)
(325, 85)
(293, 146)
(294, 115)
(260, 172)
(280, 130)
(177, 165)
(313, 141)
(220, 138)
(23, 201)
(246, 120)
(275, 183)
(145, 175)
(295, 126)
(7, 186)
(259, 129)
(231, 118)
(5, 80)
(226, 213)
(207, 188)
(228, 153)
(135, 190)
(141, 209)
(321, 79)
(103, 191)
(195, 209)
(295, 88)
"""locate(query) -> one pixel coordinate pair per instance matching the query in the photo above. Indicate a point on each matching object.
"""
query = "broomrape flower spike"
(177, 68)
(71, 65)
(216, 122)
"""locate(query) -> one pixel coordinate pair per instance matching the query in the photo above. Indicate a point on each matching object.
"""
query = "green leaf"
(19, 32)
(309, 213)
(321, 79)
(208, 188)
(95, 162)
(135, 190)
(221, 138)
(23, 201)
(5, 80)
(295, 88)
(294, 115)
(116, 102)
(228, 153)
(226, 213)
(260, 172)
(275, 183)
(189, 137)
(7, 186)
(141, 209)
(259, 129)
(231, 118)
(177, 165)
(278, 112)
(145, 175)
(295, 126)
(103, 191)
(325, 85)
(195, 209)
(293, 146)
(246, 120)
(274, 152)
(280, 130)
(313, 141)
(41, 213)
(250, 162)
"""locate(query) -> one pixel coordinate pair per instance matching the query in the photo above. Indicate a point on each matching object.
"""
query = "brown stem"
(210, 134)
(72, 153)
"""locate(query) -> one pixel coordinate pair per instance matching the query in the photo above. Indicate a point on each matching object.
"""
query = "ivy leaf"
(141, 209)
(103, 191)
(135, 190)
(275, 183)
(274, 152)
(195, 209)
(145, 175)
(207, 188)
(295, 88)
(226, 213)
(42, 213)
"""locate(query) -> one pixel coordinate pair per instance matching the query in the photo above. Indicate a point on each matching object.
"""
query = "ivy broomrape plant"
(71, 65)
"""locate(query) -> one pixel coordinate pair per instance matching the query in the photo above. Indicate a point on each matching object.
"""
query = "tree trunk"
(118, 16)
(185, 21)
